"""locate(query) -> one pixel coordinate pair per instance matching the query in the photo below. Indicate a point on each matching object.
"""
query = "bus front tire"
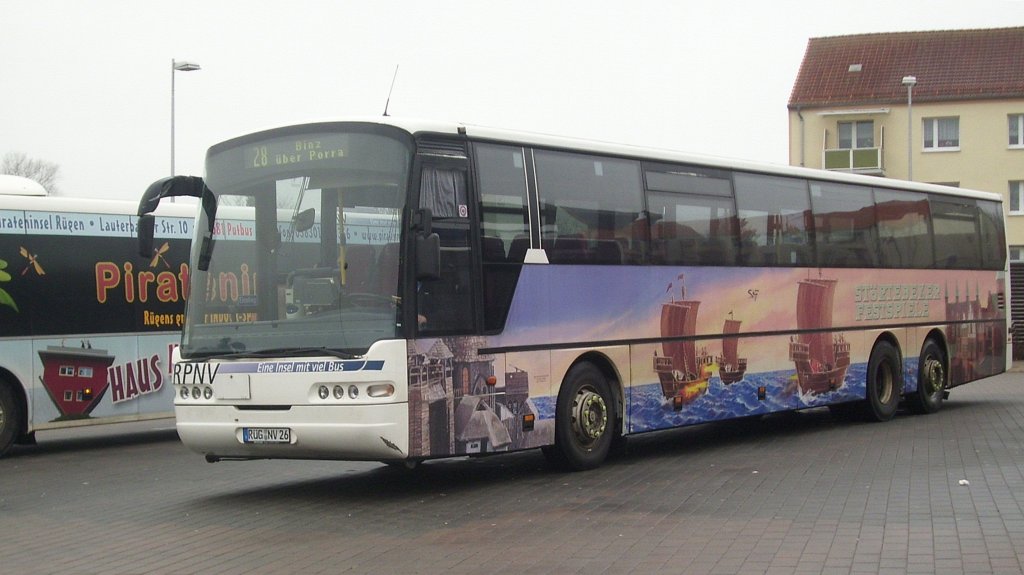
(931, 380)
(584, 420)
(884, 382)
(10, 418)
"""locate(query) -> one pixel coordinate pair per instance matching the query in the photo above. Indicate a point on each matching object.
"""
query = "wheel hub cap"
(590, 415)
(934, 376)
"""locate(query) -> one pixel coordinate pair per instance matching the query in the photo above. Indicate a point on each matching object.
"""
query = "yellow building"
(941, 107)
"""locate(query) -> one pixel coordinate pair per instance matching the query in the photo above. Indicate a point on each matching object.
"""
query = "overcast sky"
(87, 85)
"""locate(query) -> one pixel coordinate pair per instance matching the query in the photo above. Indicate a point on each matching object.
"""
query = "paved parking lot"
(799, 492)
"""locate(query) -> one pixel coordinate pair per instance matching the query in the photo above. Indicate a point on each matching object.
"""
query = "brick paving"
(791, 493)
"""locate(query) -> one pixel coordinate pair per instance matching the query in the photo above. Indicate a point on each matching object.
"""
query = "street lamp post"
(177, 66)
(910, 82)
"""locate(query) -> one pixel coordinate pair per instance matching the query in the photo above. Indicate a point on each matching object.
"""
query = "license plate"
(266, 435)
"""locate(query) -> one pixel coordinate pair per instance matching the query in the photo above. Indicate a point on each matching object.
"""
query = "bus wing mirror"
(428, 257)
(421, 221)
(169, 187)
(158, 190)
(304, 220)
(146, 225)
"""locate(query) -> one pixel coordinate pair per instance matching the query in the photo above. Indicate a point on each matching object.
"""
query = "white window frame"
(66, 371)
(933, 125)
(1016, 189)
(84, 371)
(1017, 119)
(855, 127)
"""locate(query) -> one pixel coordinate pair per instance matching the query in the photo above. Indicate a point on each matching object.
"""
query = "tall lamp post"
(910, 82)
(177, 66)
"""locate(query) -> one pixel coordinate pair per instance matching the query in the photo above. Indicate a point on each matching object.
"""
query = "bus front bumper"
(364, 432)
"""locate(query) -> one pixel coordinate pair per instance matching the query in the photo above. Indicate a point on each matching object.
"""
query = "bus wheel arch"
(13, 411)
(932, 375)
(884, 379)
(587, 415)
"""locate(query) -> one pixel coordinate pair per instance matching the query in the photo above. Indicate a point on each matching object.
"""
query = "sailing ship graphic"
(821, 357)
(683, 370)
(731, 367)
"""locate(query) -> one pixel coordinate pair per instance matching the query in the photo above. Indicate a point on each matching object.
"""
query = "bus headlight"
(380, 390)
(323, 392)
(196, 392)
(339, 392)
(207, 393)
(184, 392)
(353, 391)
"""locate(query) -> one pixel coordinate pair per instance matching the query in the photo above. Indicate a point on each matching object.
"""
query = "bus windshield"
(303, 245)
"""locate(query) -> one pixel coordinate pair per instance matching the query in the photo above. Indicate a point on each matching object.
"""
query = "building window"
(1017, 197)
(853, 135)
(942, 133)
(1017, 254)
(68, 395)
(1016, 126)
(84, 371)
(67, 371)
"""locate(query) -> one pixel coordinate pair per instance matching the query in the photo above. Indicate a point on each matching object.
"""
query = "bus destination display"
(295, 151)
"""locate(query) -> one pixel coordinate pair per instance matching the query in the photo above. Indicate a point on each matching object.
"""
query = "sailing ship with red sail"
(731, 367)
(821, 357)
(683, 370)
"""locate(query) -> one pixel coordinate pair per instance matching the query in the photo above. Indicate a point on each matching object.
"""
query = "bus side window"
(693, 215)
(775, 221)
(504, 226)
(994, 254)
(903, 235)
(844, 225)
(588, 206)
(955, 225)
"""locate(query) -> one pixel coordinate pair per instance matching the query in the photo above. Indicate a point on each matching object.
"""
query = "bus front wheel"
(10, 418)
(584, 420)
(884, 382)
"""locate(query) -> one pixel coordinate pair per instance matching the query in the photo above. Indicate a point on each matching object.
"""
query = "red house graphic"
(75, 378)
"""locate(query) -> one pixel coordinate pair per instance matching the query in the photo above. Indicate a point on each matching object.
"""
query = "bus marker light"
(323, 392)
(339, 392)
(353, 391)
(528, 422)
(381, 390)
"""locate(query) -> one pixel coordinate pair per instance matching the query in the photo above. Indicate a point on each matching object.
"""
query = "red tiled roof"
(948, 64)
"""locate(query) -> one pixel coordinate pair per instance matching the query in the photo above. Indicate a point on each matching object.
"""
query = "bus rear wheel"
(931, 380)
(584, 420)
(10, 418)
(884, 382)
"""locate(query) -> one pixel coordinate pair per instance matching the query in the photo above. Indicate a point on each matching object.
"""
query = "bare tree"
(43, 172)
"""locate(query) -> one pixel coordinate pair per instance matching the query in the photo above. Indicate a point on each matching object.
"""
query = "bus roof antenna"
(392, 89)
